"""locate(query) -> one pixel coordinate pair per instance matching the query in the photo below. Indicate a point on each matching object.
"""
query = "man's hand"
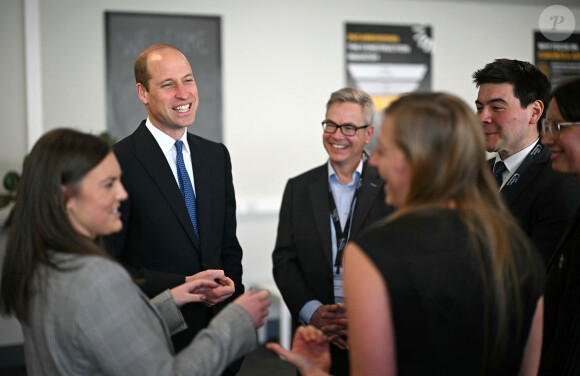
(225, 287)
(332, 320)
(210, 274)
(310, 352)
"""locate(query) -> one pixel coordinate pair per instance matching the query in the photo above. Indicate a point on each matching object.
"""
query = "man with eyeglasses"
(322, 209)
(511, 103)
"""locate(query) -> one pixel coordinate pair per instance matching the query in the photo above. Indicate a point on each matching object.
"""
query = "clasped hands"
(332, 320)
(203, 288)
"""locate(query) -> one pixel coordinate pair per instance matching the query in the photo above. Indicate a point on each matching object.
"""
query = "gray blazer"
(93, 320)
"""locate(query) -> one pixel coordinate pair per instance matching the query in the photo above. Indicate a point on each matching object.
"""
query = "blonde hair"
(444, 144)
(354, 95)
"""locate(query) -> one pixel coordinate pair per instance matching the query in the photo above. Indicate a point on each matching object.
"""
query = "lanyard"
(342, 237)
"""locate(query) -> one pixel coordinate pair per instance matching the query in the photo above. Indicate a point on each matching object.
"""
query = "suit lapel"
(371, 187)
(151, 157)
(318, 189)
(525, 174)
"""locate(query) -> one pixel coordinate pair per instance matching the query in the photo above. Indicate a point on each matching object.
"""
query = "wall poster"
(388, 60)
(558, 58)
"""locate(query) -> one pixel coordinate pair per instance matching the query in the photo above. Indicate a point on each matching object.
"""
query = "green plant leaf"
(11, 180)
(5, 200)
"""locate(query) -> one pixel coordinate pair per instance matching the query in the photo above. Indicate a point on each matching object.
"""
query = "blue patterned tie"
(498, 171)
(186, 187)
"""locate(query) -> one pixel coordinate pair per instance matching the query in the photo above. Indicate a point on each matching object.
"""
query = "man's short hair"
(354, 95)
(142, 75)
(530, 84)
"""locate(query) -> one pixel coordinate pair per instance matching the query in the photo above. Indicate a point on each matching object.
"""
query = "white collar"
(514, 161)
(358, 169)
(165, 142)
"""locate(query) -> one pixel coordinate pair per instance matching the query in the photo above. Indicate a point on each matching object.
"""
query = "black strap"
(341, 236)
(528, 161)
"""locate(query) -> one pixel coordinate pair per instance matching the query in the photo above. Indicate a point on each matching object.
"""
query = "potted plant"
(10, 183)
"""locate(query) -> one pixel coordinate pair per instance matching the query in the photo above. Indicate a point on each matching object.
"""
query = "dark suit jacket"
(543, 201)
(302, 257)
(158, 244)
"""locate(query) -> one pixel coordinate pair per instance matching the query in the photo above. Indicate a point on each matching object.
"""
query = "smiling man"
(511, 101)
(179, 218)
(323, 208)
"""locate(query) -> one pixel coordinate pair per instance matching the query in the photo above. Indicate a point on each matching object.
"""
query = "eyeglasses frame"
(548, 124)
(356, 128)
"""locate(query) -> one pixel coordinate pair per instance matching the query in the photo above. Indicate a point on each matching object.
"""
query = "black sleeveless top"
(561, 347)
(429, 263)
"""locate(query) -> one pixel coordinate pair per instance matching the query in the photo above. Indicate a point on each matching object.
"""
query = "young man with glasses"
(321, 210)
(511, 102)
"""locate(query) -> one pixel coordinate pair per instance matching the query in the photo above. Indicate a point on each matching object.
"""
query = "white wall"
(280, 63)
(281, 60)
(12, 94)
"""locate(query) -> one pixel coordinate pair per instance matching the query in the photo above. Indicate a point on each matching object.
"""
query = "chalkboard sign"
(128, 34)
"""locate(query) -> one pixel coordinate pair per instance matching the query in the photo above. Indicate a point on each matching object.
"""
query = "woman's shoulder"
(88, 270)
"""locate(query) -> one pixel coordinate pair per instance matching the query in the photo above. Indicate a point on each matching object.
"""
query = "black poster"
(558, 59)
(388, 60)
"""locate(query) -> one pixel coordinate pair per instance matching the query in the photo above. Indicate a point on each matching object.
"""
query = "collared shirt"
(167, 145)
(343, 195)
(513, 162)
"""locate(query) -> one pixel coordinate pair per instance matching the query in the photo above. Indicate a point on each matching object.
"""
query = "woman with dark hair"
(448, 284)
(80, 311)
(561, 133)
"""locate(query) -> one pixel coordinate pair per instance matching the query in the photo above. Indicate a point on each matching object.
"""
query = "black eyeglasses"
(553, 127)
(346, 129)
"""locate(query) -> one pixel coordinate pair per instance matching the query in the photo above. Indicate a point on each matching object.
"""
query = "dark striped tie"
(498, 171)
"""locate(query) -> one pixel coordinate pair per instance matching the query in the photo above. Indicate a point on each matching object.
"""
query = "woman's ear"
(65, 192)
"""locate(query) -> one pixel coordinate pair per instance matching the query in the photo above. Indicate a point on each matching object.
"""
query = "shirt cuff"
(307, 311)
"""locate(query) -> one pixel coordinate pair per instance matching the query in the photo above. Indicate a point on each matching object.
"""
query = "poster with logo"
(556, 45)
(388, 60)
(558, 59)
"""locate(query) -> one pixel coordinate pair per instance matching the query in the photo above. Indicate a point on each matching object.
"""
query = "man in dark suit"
(165, 241)
(511, 102)
(320, 210)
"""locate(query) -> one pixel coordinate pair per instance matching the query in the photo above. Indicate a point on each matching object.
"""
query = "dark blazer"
(302, 257)
(543, 201)
(158, 244)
